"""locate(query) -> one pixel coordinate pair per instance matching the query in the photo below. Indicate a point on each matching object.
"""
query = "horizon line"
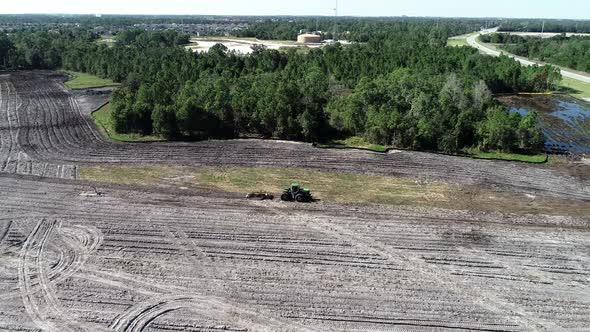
(294, 16)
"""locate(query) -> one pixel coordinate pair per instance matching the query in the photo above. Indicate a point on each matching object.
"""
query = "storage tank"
(308, 38)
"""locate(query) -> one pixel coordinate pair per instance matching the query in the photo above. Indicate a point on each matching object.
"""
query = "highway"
(473, 42)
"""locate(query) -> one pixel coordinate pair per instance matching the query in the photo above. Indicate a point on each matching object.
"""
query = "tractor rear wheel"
(286, 197)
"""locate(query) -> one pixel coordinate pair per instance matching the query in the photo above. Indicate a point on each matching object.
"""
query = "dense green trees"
(142, 39)
(410, 111)
(501, 38)
(39, 49)
(572, 52)
(401, 87)
(6, 47)
(509, 131)
(355, 29)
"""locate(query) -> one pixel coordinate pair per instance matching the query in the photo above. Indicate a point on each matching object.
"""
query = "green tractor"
(296, 193)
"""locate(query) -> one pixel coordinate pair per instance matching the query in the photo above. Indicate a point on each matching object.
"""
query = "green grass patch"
(104, 122)
(327, 186)
(107, 40)
(534, 158)
(457, 42)
(353, 142)
(575, 88)
(87, 81)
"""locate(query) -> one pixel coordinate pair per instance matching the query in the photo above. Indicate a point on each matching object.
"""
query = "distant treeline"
(114, 20)
(354, 29)
(538, 25)
(572, 52)
(402, 87)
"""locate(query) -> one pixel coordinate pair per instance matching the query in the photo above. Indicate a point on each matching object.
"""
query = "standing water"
(565, 120)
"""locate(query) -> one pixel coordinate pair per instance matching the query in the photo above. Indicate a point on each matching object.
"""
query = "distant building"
(308, 38)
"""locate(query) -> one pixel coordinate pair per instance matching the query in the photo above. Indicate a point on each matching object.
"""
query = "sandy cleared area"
(243, 46)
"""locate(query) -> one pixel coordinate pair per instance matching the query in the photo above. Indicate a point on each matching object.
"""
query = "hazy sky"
(579, 9)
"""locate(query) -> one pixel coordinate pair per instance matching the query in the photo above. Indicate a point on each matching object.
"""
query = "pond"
(565, 120)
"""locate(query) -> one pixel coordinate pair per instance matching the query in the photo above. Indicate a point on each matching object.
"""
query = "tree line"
(353, 29)
(539, 25)
(402, 87)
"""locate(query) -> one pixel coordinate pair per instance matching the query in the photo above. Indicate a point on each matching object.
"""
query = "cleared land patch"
(329, 187)
(345, 188)
(140, 260)
(353, 142)
(145, 256)
(536, 158)
(86, 81)
(244, 45)
(458, 41)
(576, 88)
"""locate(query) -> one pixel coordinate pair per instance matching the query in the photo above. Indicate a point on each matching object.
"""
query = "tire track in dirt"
(37, 285)
(47, 289)
(6, 131)
(17, 133)
(326, 266)
(33, 248)
(141, 315)
(183, 241)
(4, 227)
(480, 297)
(73, 245)
(83, 241)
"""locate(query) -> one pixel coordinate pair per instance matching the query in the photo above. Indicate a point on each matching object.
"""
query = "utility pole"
(336, 22)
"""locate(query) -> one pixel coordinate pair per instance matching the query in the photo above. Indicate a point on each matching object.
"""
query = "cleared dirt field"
(132, 261)
(141, 258)
(46, 130)
(244, 45)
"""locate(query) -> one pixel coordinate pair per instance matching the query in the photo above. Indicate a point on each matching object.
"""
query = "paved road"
(472, 41)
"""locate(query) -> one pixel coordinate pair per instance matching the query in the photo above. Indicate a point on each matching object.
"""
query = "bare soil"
(159, 259)
(132, 261)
